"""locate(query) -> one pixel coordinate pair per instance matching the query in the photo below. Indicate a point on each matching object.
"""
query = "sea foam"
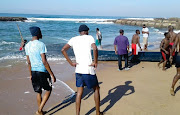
(85, 20)
(140, 18)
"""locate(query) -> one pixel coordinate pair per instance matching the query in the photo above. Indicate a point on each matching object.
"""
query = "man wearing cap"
(85, 67)
(145, 33)
(39, 68)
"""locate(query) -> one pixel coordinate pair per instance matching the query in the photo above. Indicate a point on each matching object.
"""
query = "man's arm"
(46, 64)
(175, 44)
(139, 43)
(95, 53)
(162, 48)
(132, 39)
(128, 48)
(64, 52)
(128, 45)
(29, 66)
(115, 49)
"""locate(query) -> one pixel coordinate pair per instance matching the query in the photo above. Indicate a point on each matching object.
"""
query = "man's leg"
(78, 99)
(160, 62)
(39, 99)
(164, 65)
(176, 78)
(97, 99)
(146, 43)
(119, 62)
(126, 60)
(44, 100)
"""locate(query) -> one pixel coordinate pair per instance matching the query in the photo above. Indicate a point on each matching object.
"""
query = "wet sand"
(16, 93)
(143, 90)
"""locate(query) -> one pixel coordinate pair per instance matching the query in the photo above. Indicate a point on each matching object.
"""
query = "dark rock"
(13, 19)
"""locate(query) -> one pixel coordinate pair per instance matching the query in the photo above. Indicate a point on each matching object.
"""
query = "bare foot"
(172, 92)
(39, 113)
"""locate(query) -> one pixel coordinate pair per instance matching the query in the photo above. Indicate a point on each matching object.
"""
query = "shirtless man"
(177, 62)
(135, 43)
(172, 38)
(164, 47)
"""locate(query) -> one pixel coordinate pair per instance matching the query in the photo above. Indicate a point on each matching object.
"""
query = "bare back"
(172, 37)
(165, 44)
(135, 39)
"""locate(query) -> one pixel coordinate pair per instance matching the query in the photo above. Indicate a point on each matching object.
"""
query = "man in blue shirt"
(39, 68)
(122, 44)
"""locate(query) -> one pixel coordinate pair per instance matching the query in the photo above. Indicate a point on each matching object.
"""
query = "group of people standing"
(169, 45)
(121, 46)
(41, 73)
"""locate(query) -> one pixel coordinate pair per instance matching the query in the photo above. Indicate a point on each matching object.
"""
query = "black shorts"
(41, 80)
(177, 61)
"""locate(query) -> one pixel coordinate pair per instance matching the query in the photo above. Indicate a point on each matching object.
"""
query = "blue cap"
(83, 28)
(35, 31)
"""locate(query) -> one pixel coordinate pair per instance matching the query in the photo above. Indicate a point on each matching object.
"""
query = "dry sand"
(146, 91)
(143, 90)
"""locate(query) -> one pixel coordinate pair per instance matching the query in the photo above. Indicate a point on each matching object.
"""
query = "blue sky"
(133, 8)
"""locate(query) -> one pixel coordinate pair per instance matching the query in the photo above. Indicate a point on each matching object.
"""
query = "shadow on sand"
(134, 60)
(69, 100)
(114, 95)
(177, 89)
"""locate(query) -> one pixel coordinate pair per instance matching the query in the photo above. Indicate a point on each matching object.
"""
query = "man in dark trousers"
(121, 47)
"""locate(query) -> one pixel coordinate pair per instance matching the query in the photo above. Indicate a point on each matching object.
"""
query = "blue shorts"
(86, 80)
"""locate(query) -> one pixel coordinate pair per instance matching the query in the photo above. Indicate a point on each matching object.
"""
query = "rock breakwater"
(156, 22)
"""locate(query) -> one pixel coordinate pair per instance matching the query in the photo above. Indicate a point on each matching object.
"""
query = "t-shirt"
(99, 35)
(34, 49)
(82, 49)
(122, 43)
(145, 30)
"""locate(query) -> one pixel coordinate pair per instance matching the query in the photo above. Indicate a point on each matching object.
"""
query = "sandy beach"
(143, 90)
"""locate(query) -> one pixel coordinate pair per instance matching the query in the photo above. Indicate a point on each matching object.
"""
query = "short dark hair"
(144, 25)
(171, 27)
(97, 29)
(121, 31)
(137, 31)
(166, 33)
(25, 41)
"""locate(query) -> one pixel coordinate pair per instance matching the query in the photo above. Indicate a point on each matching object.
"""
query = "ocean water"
(58, 29)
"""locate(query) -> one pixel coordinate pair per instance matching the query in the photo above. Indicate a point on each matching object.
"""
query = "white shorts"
(145, 40)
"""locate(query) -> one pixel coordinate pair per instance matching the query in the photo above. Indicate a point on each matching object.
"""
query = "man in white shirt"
(145, 33)
(85, 67)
